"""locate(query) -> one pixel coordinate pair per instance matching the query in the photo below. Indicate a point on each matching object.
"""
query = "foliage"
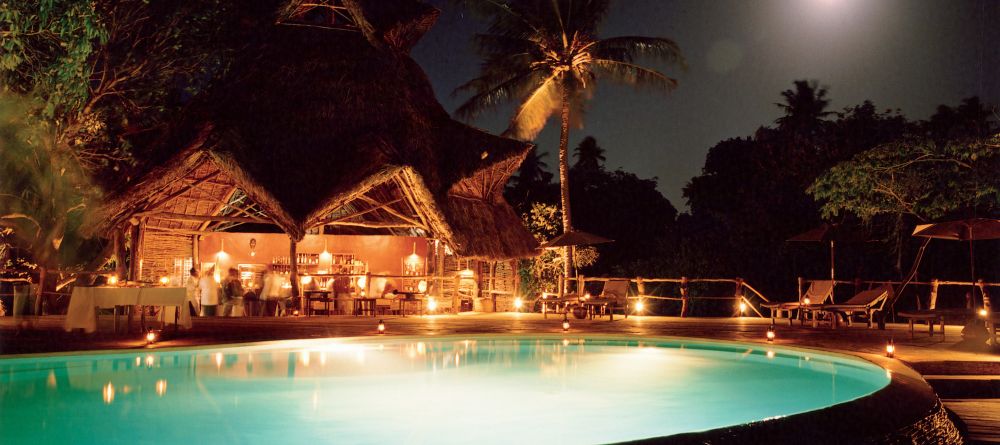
(914, 176)
(45, 197)
(106, 72)
(542, 272)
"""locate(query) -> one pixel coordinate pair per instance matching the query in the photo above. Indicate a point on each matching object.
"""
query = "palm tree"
(545, 56)
(589, 155)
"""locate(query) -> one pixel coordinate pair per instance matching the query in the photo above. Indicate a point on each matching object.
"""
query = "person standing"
(232, 294)
(191, 290)
(271, 293)
(209, 291)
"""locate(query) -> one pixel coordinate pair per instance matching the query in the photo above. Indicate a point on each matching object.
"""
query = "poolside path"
(965, 374)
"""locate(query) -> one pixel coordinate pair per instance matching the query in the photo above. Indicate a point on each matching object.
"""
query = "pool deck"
(965, 374)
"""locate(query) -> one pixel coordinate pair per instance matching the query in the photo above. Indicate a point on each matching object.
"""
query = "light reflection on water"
(476, 389)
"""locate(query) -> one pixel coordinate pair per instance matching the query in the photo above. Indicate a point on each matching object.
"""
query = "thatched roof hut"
(335, 129)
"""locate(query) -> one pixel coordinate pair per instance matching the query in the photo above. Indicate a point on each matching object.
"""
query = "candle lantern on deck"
(890, 348)
(151, 337)
(565, 323)
(381, 327)
(770, 334)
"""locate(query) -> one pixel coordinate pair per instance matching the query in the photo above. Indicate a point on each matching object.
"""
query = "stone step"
(965, 386)
(980, 416)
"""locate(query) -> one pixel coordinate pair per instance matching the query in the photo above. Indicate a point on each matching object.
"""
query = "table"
(318, 295)
(405, 298)
(364, 306)
(84, 302)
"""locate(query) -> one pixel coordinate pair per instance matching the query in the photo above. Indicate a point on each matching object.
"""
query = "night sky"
(910, 55)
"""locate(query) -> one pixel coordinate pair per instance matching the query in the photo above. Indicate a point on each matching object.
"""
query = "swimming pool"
(476, 389)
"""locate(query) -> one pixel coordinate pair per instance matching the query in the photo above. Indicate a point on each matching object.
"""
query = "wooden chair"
(613, 296)
(864, 303)
(818, 293)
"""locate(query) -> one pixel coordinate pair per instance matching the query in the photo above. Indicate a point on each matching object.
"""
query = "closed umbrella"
(832, 233)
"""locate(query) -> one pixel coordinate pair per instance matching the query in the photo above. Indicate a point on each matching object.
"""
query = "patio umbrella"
(970, 230)
(832, 233)
(574, 238)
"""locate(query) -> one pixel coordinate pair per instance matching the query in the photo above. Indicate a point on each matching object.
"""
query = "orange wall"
(384, 254)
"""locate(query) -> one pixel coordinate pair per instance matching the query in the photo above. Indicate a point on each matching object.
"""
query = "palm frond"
(490, 94)
(628, 48)
(530, 117)
(635, 75)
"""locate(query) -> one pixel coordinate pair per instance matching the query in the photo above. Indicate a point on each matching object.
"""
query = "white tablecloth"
(84, 301)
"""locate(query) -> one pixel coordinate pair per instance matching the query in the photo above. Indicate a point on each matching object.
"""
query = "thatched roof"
(317, 126)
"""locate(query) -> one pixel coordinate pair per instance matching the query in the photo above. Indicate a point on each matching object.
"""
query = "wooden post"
(738, 297)
(117, 237)
(684, 297)
(801, 284)
(38, 293)
(932, 304)
(195, 252)
(293, 275)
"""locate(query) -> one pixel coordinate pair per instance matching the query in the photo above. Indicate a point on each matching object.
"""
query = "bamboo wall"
(159, 252)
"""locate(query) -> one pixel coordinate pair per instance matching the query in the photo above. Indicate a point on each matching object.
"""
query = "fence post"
(932, 303)
(37, 310)
(684, 297)
(801, 282)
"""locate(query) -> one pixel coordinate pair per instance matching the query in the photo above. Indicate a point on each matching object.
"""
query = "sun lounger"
(818, 292)
(613, 296)
(864, 303)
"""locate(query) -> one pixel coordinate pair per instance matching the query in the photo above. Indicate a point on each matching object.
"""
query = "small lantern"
(422, 286)
(890, 349)
(770, 334)
(164, 281)
(518, 303)
(151, 337)
(381, 327)
(743, 307)
(113, 280)
(565, 323)
(640, 306)
(806, 300)
(983, 312)
(432, 304)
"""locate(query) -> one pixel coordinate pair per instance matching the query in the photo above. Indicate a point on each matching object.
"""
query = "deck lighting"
(890, 349)
(432, 304)
(113, 280)
(518, 303)
(565, 324)
(381, 327)
(743, 307)
(983, 312)
(295, 313)
(640, 306)
(770, 334)
(151, 337)
(164, 281)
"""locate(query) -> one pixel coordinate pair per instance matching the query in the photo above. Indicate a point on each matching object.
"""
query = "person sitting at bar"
(209, 291)
(232, 294)
(271, 293)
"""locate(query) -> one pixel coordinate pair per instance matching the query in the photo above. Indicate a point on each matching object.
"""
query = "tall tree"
(531, 184)
(589, 156)
(546, 56)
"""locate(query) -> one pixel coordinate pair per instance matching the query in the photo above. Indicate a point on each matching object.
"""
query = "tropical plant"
(589, 156)
(44, 196)
(546, 56)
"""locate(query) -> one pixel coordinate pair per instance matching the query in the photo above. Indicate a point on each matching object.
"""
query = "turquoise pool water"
(428, 391)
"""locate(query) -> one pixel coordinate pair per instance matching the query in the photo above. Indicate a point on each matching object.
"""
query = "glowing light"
(151, 337)
(381, 327)
(640, 306)
(305, 358)
(138, 361)
(565, 325)
(305, 280)
(295, 313)
(432, 304)
(164, 281)
(161, 387)
(422, 286)
(770, 334)
(218, 360)
(217, 277)
(806, 300)
(253, 253)
(983, 312)
(770, 354)
(743, 307)
(150, 361)
(467, 273)
(518, 303)
(362, 281)
(325, 257)
(890, 349)
(113, 280)
(586, 296)
(108, 393)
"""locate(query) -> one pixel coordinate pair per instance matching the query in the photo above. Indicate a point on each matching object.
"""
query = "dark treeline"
(756, 191)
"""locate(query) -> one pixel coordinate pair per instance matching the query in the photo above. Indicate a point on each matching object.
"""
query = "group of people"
(206, 294)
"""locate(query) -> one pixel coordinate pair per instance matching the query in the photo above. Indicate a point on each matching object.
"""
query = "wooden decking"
(942, 360)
